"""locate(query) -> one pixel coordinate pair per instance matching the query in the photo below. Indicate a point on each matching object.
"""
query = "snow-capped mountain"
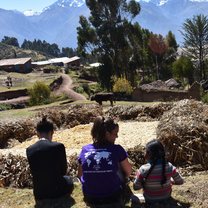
(57, 23)
(69, 3)
(31, 13)
(162, 2)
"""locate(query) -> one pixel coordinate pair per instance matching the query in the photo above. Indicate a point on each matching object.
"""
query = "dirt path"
(22, 99)
(66, 88)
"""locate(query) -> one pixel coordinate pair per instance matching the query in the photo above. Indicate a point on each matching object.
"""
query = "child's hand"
(172, 181)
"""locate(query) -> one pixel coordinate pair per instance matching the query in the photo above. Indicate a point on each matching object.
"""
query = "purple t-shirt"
(100, 167)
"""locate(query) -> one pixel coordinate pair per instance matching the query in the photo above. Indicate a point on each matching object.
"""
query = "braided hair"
(99, 129)
(155, 150)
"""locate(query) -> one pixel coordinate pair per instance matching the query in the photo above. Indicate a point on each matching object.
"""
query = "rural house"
(21, 65)
(63, 61)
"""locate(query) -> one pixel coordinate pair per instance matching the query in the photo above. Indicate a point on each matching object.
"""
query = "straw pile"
(184, 132)
(12, 133)
(18, 131)
(15, 171)
(139, 113)
(76, 114)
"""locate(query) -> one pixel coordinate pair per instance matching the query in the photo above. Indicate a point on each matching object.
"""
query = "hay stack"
(76, 115)
(184, 132)
(15, 171)
(11, 133)
(139, 113)
(136, 157)
(17, 130)
(82, 114)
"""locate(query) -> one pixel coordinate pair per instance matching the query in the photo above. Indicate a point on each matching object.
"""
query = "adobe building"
(151, 95)
(21, 65)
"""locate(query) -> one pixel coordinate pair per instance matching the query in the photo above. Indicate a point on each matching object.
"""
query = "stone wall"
(166, 95)
(13, 94)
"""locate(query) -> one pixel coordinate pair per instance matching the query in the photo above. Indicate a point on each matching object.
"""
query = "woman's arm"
(126, 167)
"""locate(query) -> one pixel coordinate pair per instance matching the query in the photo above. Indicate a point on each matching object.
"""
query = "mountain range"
(57, 23)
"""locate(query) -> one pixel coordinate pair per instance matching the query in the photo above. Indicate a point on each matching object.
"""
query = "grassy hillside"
(22, 81)
(8, 51)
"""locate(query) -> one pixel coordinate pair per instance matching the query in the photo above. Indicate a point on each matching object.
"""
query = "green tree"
(26, 44)
(106, 34)
(183, 68)
(68, 52)
(140, 54)
(39, 93)
(42, 46)
(195, 34)
(171, 41)
(10, 41)
(169, 56)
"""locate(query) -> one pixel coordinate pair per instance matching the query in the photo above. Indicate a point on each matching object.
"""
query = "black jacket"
(48, 165)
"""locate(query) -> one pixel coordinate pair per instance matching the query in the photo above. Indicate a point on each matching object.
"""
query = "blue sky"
(22, 5)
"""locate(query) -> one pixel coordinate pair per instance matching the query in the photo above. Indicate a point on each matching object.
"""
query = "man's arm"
(63, 161)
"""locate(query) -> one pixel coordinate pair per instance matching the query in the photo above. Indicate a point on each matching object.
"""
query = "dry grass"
(192, 194)
(78, 136)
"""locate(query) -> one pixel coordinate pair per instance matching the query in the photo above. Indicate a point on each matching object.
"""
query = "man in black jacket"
(48, 164)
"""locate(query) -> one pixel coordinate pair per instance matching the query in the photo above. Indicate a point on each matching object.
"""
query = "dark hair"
(99, 129)
(44, 126)
(156, 151)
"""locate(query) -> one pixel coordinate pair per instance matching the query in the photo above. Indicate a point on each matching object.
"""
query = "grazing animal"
(99, 97)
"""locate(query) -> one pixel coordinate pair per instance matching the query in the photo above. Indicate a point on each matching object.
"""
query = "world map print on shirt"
(95, 157)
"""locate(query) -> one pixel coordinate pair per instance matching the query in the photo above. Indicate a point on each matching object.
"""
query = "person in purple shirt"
(100, 163)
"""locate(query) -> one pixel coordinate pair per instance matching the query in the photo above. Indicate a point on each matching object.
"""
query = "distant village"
(25, 65)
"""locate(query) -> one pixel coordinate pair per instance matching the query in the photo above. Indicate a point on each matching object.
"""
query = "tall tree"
(68, 52)
(42, 46)
(195, 34)
(170, 55)
(158, 46)
(106, 34)
(183, 68)
(10, 41)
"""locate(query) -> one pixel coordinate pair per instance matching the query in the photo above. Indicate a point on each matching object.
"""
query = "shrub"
(86, 88)
(39, 94)
(5, 106)
(79, 89)
(122, 86)
(51, 69)
(204, 98)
